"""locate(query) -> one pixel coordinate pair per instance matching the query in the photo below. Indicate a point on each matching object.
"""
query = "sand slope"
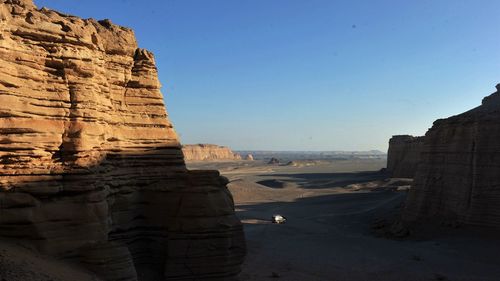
(21, 264)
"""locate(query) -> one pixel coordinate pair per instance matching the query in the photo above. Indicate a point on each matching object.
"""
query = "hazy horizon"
(310, 75)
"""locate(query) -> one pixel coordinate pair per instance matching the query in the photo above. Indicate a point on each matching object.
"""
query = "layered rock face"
(91, 169)
(208, 152)
(458, 180)
(403, 155)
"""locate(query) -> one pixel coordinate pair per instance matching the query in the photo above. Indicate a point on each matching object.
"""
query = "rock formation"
(273, 161)
(208, 152)
(458, 179)
(91, 169)
(249, 157)
(404, 155)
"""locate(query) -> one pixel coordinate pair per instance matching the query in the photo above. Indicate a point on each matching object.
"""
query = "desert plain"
(337, 212)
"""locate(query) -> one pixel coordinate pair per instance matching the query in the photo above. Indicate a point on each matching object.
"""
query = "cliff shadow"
(321, 180)
(126, 215)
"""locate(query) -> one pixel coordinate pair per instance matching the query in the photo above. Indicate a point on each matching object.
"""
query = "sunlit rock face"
(208, 152)
(458, 179)
(403, 155)
(91, 168)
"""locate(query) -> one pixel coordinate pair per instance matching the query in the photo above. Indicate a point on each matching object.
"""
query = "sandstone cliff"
(403, 155)
(458, 180)
(91, 169)
(208, 152)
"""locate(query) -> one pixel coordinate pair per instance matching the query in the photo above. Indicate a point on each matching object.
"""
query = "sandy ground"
(21, 264)
(330, 208)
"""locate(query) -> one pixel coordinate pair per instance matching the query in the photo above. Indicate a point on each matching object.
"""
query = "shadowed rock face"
(458, 179)
(404, 155)
(91, 168)
(207, 152)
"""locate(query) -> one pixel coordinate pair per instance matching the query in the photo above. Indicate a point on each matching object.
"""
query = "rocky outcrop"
(249, 157)
(91, 169)
(458, 180)
(208, 152)
(273, 161)
(403, 155)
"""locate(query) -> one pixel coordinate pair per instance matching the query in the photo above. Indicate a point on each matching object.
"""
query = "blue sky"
(311, 74)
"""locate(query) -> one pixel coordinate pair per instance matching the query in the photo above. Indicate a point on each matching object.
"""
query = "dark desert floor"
(331, 208)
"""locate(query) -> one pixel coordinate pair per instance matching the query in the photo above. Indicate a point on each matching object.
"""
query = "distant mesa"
(249, 157)
(273, 161)
(457, 180)
(208, 152)
(403, 155)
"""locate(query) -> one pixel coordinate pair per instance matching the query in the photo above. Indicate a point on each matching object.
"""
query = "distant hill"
(314, 155)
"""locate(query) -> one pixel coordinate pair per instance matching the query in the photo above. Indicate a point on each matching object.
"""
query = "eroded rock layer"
(208, 152)
(403, 155)
(458, 180)
(91, 169)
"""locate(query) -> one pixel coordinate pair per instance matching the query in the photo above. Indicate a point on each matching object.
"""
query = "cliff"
(403, 155)
(91, 169)
(208, 152)
(458, 180)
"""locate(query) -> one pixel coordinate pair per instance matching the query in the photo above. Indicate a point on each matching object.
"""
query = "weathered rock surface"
(91, 169)
(403, 155)
(458, 180)
(249, 157)
(208, 152)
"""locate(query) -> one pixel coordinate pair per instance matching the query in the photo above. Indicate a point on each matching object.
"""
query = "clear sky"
(311, 74)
